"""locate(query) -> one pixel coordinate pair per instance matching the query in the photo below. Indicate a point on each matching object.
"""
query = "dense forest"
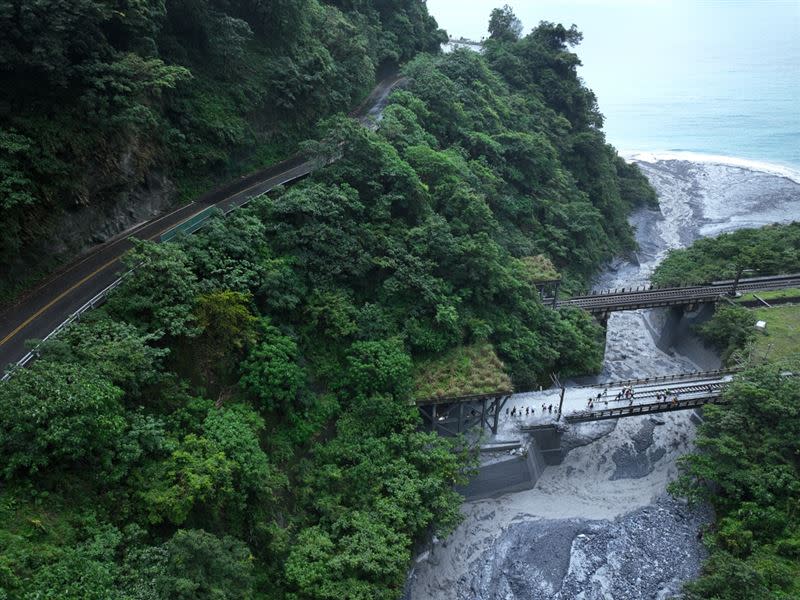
(120, 101)
(747, 468)
(746, 461)
(770, 250)
(236, 421)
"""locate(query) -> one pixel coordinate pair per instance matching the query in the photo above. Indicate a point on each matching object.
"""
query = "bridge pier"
(512, 473)
(451, 417)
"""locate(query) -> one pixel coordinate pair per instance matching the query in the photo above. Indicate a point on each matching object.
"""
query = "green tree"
(770, 250)
(202, 566)
(115, 349)
(748, 470)
(236, 430)
(271, 373)
(504, 24)
(85, 572)
(159, 291)
(196, 475)
(365, 559)
(731, 328)
(377, 367)
(56, 414)
(227, 328)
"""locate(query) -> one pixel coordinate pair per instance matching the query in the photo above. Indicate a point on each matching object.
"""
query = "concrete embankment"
(673, 332)
(505, 471)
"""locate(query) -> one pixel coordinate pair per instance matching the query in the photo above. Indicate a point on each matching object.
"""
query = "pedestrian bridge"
(503, 412)
(602, 303)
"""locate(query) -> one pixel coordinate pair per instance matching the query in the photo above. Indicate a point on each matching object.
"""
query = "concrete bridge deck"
(649, 297)
(494, 413)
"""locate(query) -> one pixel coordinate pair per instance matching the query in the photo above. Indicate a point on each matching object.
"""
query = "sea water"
(720, 146)
(713, 80)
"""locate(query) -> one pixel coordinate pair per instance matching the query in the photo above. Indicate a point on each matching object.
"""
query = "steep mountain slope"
(111, 110)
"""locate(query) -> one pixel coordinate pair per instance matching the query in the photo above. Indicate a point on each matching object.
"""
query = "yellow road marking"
(38, 313)
(35, 315)
(102, 248)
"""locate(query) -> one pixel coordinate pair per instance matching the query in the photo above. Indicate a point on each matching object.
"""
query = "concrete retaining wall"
(672, 332)
(512, 474)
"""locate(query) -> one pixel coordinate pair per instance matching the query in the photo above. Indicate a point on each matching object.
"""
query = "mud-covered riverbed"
(578, 558)
(600, 525)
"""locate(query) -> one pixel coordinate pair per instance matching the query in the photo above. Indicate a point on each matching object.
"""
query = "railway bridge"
(505, 412)
(603, 303)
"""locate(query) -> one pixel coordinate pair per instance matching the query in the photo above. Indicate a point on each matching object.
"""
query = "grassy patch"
(463, 371)
(539, 268)
(771, 295)
(782, 337)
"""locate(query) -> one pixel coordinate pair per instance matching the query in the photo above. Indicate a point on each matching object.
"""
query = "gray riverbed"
(600, 525)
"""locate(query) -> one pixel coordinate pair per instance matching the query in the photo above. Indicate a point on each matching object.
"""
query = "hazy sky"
(636, 44)
(718, 76)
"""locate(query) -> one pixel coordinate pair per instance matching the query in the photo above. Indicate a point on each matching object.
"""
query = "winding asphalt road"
(44, 308)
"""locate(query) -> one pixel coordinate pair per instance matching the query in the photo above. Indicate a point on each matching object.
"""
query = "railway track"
(653, 297)
(644, 409)
(677, 397)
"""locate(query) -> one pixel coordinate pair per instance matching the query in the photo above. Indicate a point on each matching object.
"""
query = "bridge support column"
(499, 403)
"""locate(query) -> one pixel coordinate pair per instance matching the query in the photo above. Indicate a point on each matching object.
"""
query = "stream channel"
(601, 525)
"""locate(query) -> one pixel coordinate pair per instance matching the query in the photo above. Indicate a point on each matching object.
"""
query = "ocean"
(705, 98)
(711, 81)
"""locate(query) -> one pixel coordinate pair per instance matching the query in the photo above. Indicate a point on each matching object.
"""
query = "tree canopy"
(771, 250)
(118, 103)
(747, 468)
(237, 421)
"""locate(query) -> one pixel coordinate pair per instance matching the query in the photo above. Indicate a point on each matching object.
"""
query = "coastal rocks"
(646, 554)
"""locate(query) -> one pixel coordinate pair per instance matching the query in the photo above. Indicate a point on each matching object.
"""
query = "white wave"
(716, 159)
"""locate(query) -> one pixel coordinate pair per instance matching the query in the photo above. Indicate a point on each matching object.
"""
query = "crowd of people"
(530, 411)
(626, 393)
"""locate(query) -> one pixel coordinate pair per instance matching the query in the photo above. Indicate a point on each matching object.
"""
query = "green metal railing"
(189, 225)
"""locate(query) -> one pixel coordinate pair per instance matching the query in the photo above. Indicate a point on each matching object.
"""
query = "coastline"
(792, 173)
(602, 486)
